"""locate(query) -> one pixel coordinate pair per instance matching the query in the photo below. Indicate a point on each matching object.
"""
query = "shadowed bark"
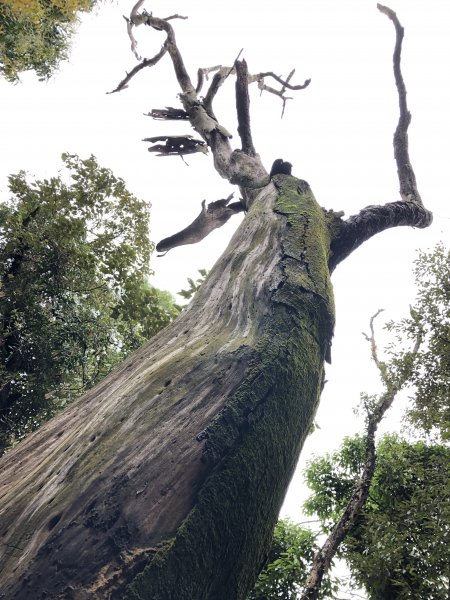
(165, 480)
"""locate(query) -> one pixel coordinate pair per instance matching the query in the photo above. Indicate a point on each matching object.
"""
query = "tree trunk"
(165, 480)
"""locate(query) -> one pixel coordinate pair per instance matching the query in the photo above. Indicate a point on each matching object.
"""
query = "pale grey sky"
(337, 133)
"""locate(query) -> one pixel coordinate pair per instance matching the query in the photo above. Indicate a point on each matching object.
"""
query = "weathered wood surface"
(202, 427)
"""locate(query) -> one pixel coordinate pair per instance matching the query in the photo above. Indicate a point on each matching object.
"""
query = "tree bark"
(170, 474)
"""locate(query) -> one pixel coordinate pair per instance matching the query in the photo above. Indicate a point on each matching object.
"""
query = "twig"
(284, 82)
(147, 62)
(371, 339)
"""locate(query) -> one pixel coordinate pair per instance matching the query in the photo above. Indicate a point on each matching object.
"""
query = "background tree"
(398, 547)
(35, 34)
(429, 410)
(166, 480)
(74, 297)
(288, 564)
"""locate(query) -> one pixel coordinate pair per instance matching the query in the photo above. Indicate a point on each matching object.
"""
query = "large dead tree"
(165, 480)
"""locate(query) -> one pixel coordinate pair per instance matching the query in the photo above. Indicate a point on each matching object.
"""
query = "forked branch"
(241, 167)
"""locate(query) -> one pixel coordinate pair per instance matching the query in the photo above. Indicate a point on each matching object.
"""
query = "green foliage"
(194, 286)
(287, 567)
(35, 34)
(398, 548)
(74, 297)
(430, 318)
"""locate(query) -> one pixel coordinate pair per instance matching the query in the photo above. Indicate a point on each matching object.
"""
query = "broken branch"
(176, 145)
(243, 108)
(168, 114)
(211, 217)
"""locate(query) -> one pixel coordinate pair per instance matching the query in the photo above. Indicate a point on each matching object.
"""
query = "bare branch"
(243, 108)
(284, 82)
(202, 74)
(170, 46)
(373, 345)
(372, 220)
(147, 62)
(177, 16)
(407, 179)
(217, 81)
(223, 72)
(211, 217)
(323, 558)
(410, 210)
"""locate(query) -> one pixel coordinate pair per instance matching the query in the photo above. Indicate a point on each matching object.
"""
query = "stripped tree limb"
(375, 414)
(410, 210)
(243, 108)
(202, 74)
(211, 217)
(223, 72)
(284, 82)
(407, 178)
(133, 14)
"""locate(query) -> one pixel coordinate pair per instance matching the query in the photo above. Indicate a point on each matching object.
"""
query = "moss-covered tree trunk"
(165, 481)
(180, 459)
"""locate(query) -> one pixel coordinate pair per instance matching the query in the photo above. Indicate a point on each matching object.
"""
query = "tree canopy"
(398, 547)
(287, 566)
(74, 297)
(35, 34)
(429, 318)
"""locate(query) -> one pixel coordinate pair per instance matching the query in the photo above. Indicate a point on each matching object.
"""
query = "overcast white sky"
(337, 133)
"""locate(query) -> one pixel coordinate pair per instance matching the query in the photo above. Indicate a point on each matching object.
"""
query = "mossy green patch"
(253, 444)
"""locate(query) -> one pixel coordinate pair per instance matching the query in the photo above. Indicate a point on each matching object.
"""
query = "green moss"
(254, 443)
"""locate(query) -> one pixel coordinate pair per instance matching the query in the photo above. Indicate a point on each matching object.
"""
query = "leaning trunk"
(165, 480)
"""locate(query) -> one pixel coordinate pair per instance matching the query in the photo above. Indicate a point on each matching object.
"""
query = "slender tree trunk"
(170, 474)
